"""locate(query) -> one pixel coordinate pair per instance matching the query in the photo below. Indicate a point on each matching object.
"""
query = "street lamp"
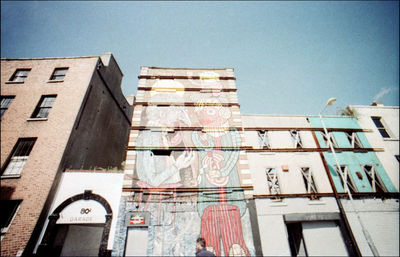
(344, 176)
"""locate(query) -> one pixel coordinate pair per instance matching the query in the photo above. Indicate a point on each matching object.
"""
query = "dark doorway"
(77, 240)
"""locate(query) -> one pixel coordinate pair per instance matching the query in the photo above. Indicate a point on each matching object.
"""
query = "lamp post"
(344, 179)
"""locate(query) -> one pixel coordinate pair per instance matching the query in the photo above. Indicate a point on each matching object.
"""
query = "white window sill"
(277, 203)
(36, 119)
(10, 176)
(14, 82)
(316, 202)
(390, 139)
(55, 81)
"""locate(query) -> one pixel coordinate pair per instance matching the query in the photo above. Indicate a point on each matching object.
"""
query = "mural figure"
(221, 218)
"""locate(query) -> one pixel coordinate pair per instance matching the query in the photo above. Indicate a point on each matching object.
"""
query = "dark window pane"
(384, 133)
(377, 122)
(8, 209)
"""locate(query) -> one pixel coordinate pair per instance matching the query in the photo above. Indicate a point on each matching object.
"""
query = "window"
(374, 179)
(380, 127)
(347, 178)
(8, 210)
(5, 102)
(273, 183)
(331, 138)
(19, 157)
(353, 139)
(44, 106)
(308, 180)
(59, 74)
(296, 138)
(263, 138)
(20, 75)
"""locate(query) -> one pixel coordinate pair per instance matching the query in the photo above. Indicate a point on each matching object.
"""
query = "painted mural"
(179, 215)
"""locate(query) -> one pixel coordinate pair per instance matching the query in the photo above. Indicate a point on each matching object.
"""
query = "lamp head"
(330, 101)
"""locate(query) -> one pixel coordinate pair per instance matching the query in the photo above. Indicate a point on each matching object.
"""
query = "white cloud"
(383, 91)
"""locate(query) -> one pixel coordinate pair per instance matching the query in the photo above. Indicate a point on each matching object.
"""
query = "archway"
(45, 246)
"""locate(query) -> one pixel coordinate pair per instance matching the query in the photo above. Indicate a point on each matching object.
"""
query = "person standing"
(201, 248)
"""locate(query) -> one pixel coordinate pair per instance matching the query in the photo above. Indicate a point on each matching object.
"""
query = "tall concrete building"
(57, 114)
(186, 172)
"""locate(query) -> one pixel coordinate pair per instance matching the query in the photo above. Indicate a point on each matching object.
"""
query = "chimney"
(376, 103)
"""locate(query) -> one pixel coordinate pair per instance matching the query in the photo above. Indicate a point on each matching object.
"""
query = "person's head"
(200, 243)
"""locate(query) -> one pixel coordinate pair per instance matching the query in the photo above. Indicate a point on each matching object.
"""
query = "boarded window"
(296, 139)
(374, 179)
(346, 179)
(308, 180)
(353, 139)
(329, 138)
(263, 139)
(273, 183)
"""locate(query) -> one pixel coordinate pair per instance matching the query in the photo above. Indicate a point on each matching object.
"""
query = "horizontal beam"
(185, 77)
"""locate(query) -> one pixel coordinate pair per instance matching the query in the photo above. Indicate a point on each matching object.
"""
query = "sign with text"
(137, 219)
(83, 211)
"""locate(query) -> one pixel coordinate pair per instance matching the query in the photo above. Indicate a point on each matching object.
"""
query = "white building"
(384, 122)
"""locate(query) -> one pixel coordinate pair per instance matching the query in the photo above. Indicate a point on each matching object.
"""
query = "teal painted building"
(355, 155)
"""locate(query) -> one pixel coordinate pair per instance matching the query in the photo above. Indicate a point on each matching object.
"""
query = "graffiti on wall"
(214, 211)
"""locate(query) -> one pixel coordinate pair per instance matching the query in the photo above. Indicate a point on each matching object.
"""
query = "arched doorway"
(46, 246)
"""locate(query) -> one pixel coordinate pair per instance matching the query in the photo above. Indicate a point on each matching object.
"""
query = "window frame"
(347, 176)
(374, 178)
(39, 107)
(381, 129)
(15, 75)
(309, 180)
(273, 182)
(263, 139)
(15, 157)
(296, 138)
(331, 138)
(354, 140)
(11, 217)
(10, 99)
(54, 76)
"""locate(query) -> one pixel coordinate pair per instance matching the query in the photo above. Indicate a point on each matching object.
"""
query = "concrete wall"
(272, 223)
(291, 182)
(381, 221)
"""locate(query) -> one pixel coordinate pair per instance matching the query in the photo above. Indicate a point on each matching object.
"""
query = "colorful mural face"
(215, 211)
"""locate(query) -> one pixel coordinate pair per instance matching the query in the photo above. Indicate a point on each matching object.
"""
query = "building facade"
(57, 114)
(184, 163)
(194, 165)
(186, 173)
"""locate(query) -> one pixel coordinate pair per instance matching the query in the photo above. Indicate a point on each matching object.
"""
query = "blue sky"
(289, 57)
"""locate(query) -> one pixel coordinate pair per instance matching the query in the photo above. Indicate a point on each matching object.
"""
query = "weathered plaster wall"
(390, 119)
(352, 159)
(381, 221)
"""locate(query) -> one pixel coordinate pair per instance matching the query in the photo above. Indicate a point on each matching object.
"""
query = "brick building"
(56, 114)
